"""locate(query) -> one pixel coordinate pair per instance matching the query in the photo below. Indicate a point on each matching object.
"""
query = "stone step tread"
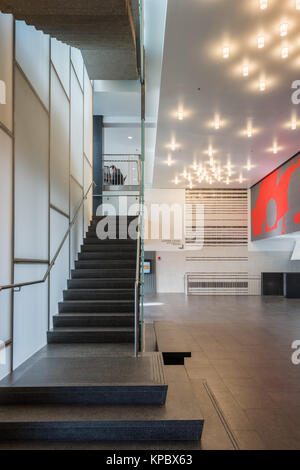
(90, 315)
(97, 329)
(93, 302)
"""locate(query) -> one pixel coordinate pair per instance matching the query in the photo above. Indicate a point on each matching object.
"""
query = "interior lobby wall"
(172, 262)
(45, 151)
(271, 255)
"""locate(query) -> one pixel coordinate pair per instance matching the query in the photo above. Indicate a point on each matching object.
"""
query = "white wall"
(50, 149)
(6, 68)
(271, 255)
(6, 185)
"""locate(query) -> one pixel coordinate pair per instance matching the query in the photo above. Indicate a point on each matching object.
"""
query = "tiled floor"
(242, 347)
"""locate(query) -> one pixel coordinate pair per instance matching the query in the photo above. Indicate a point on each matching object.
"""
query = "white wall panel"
(5, 364)
(88, 117)
(59, 145)
(30, 313)
(76, 129)
(6, 68)
(31, 173)
(60, 56)
(32, 54)
(60, 272)
(77, 61)
(77, 230)
(6, 160)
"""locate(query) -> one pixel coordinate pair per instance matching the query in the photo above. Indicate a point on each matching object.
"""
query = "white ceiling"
(196, 31)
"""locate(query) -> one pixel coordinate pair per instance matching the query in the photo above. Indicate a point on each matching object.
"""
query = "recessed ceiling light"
(249, 166)
(285, 52)
(249, 130)
(245, 70)
(262, 84)
(226, 51)
(227, 181)
(261, 41)
(130, 137)
(180, 115)
(241, 179)
(294, 124)
(275, 148)
(217, 123)
(170, 161)
(284, 29)
(173, 146)
(191, 185)
(263, 4)
(176, 181)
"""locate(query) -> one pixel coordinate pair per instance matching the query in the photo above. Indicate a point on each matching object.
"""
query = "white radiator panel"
(222, 284)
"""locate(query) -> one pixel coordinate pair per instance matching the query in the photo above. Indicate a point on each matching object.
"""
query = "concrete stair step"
(119, 219)
(98, 283)
(107, 255)
(116, 248)
(96, 306)
(120, 227)
(115, 236)
(103, 273)
(98, 294)
(91, 335)
(110, 242)
(79, 319)
(109, 379)
(56, 406)
(101, 264)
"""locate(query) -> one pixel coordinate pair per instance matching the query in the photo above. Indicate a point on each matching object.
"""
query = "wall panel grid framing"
(239, 283)
(36, 174)
(225, 217)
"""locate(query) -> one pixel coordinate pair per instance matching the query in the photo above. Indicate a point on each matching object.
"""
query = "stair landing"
(107, 379)
(179, 419)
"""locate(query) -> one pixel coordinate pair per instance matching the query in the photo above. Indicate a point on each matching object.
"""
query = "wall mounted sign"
(147, 267)
(275, 202)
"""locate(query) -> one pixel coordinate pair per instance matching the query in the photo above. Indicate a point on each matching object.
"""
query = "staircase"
(65, 392)
(98, 306)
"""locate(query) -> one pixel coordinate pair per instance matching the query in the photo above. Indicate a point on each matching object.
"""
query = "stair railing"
(52, 262)
(138, 281)
(137, 291)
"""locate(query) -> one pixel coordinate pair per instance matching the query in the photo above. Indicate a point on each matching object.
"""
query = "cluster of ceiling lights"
(213, 172)
(209, 172)
(261, 42)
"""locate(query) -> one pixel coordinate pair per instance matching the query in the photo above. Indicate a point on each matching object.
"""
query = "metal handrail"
(52, 263)
(136, 160)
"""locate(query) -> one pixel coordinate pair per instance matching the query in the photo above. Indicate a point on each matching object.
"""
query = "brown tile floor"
(242, 347)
